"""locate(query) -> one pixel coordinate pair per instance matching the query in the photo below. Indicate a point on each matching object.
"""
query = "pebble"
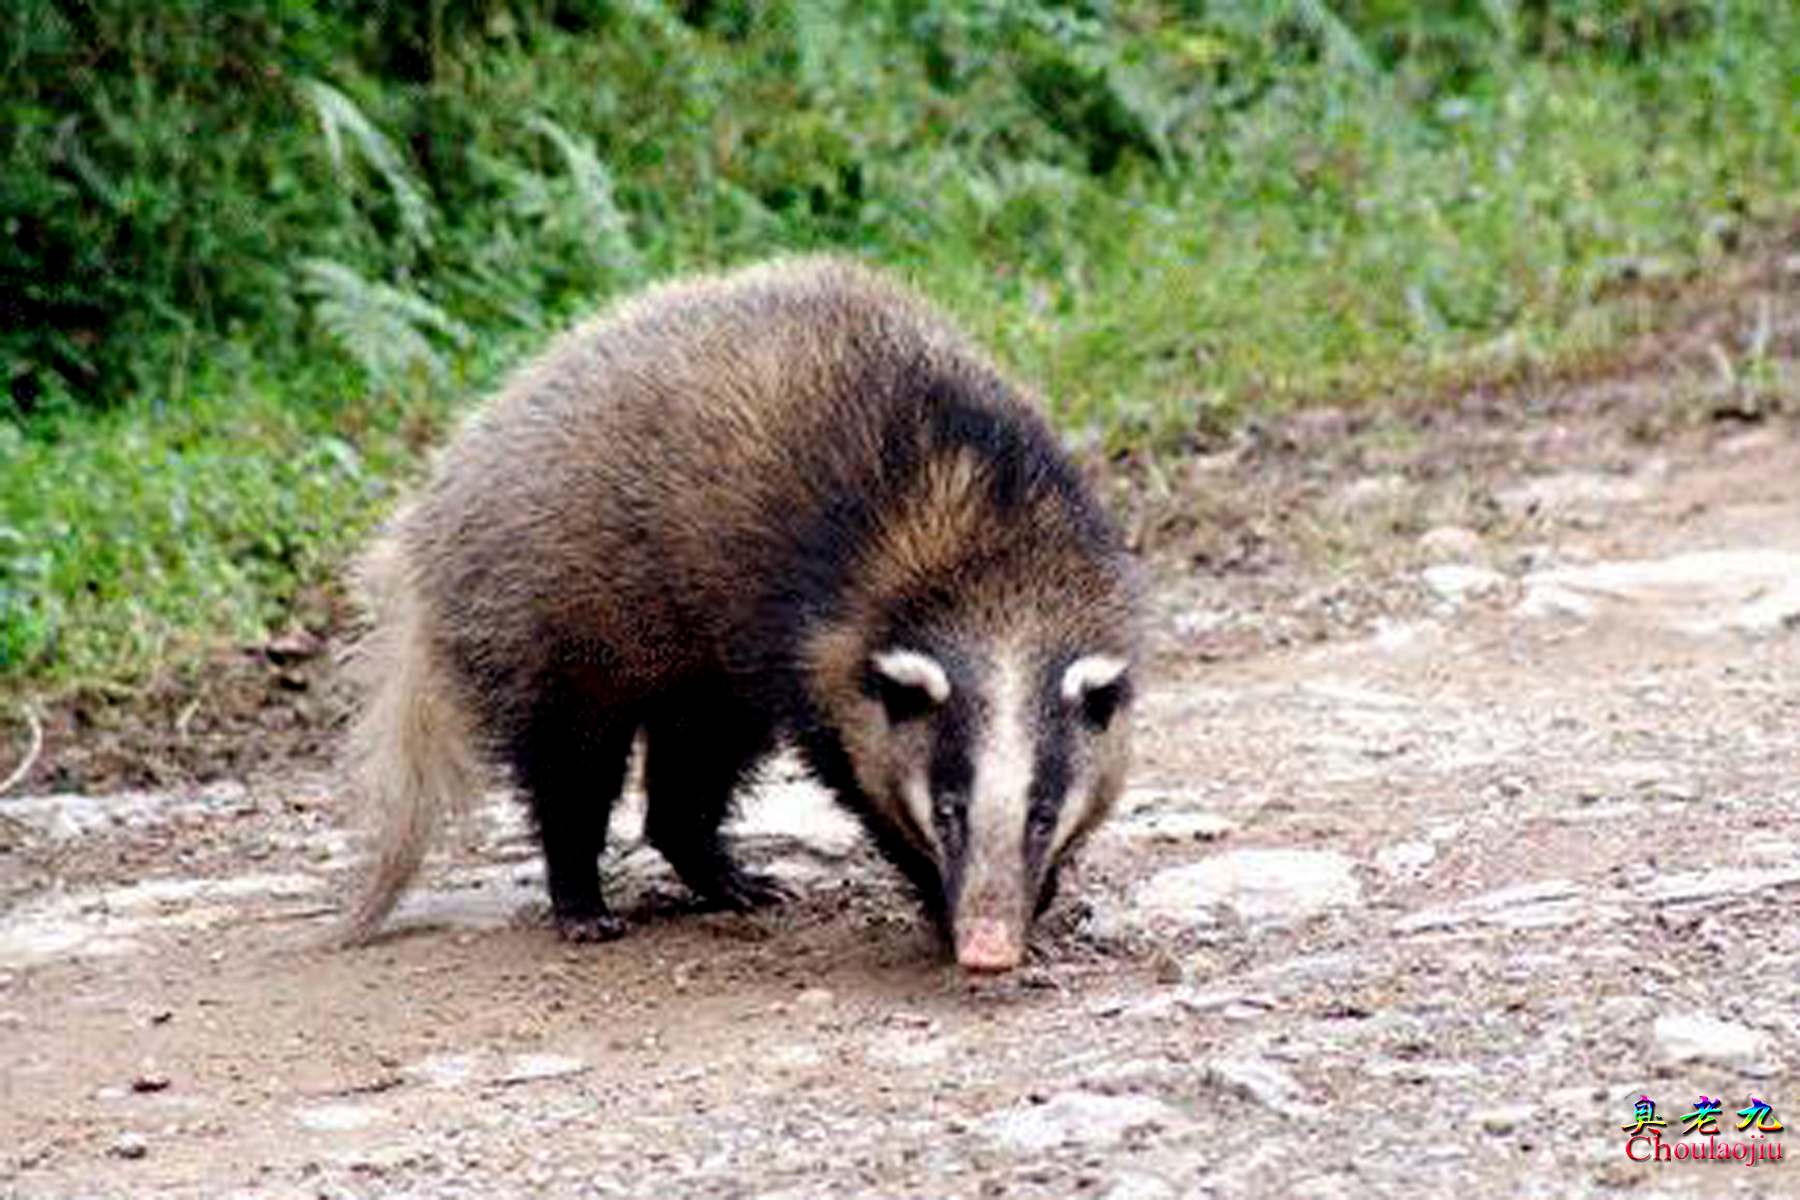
(1256, 1079)
(1265, 886)
(1503, 1120)
(338, 1118)
(1456, 582)
(129, 1145)
(530, 1068)
(1681, 1039)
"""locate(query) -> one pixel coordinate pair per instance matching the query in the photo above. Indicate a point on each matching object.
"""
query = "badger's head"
(980, 764)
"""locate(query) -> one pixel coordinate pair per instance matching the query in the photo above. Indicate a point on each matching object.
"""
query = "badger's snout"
(989, 944)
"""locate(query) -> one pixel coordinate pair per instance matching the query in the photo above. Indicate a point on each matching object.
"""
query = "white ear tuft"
(909, 668)
(1090, 672)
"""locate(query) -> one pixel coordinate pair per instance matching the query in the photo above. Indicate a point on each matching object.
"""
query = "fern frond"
(380, 326)
(1339, 40)
(339, 116)
(593, 190)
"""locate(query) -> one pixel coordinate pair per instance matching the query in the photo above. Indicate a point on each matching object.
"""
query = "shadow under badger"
(787, 503)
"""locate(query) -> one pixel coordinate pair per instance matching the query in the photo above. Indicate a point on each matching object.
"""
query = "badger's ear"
(1097, 684)
(909, 683)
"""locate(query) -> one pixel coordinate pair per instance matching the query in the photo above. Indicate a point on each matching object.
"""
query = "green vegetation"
(256, 254)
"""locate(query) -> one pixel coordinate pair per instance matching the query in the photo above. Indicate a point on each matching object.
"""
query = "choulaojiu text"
(1650, 1147)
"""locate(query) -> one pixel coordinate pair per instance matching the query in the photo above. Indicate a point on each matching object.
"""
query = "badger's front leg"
(703, 743)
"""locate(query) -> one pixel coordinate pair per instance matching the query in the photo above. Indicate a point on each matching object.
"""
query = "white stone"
(1257, 1079)
(1504, 1120)
(339, 1118)
(1079, 1118)
(1681, 1039)
(1708, 591)
(444, 1070)
(530, 1068)
(1268, 886)
(1548, 600)
(1456, 582)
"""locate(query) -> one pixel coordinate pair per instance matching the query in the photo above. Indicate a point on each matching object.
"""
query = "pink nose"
(986, 944)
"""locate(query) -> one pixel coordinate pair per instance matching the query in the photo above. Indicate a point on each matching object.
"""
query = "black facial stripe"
(951, 777)
(1050, 771)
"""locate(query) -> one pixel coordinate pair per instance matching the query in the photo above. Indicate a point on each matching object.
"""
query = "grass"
(265, 252)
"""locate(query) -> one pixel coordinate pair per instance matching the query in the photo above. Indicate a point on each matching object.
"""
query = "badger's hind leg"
(703, 742)
(570, 760)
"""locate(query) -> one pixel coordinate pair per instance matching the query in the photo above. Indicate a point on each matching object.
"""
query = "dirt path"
(1433, 865)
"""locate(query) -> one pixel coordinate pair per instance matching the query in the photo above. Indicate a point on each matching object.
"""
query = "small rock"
(1548, 600)
(1682, 1039)
(1079, 1118)
(1456, 582)
(1256, 1079)
(150, 1081)
(129, 1145)
(815, 997)
(1503, 1120)
(443, 1070)
(530, 1068)
(1268, 886)
(293, 646)
(338, 1118)
(1450, 544)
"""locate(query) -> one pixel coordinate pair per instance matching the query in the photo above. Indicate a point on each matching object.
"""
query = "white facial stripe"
(1002, 786)
(917, 795)
(1074, 807)
(909, 668)
(1090, 672)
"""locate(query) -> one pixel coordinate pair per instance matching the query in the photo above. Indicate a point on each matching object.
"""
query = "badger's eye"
(1099, 704)
(903, 702)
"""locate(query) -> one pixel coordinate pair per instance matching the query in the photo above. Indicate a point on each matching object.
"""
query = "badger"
(790, 504)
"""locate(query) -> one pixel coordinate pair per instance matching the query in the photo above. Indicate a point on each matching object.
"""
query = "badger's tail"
(410, 759)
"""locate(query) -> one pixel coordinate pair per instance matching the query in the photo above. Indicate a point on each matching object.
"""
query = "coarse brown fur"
(700, 515)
